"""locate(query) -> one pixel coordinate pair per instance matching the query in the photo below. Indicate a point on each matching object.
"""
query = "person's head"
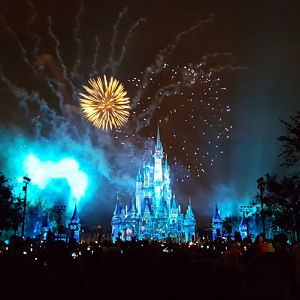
(260, 239)
(280, 242)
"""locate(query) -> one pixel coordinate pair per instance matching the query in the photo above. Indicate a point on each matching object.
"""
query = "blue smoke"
(42, 173)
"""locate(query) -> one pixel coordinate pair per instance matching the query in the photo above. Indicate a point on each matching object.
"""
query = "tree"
(231, 224)
(291, 152)
(282, 199)
(9, 213)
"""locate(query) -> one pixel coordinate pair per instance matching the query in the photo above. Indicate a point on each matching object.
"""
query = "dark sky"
(48, 52)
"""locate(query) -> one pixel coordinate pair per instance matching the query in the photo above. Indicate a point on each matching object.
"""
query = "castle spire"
(217, 213)
(139, 176)
(174, 203)
(158, 142)
(74, 226)
(118, 207)
(189, 211)
(75, 215)
(243, 221)
(132, 207)
(166, 166)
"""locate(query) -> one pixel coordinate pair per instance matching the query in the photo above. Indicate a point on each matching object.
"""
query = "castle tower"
(217, 224)
(174, 211)
(138, 192)
(189, 224)
(158, 171)
(74, 226)
(147, 222)
(131, 225)
(158, 156)
(167, 192)
(117, 220)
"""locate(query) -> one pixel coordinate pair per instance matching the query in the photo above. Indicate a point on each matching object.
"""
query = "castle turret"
(74, 226)
(217, 224)
(158, 155)
(174, 211)
(189, 223)
(117, 220)
(158, 172)
(167, 192)
(138, 192)
(131, 225)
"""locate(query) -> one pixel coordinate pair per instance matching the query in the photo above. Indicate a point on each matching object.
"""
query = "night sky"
(215, 77)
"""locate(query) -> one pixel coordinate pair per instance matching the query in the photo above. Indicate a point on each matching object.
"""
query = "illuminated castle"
(154, 213)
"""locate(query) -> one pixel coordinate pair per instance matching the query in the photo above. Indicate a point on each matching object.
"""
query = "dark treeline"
(280, 196)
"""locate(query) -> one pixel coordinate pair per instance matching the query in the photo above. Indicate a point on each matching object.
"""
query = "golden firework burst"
(105, 105)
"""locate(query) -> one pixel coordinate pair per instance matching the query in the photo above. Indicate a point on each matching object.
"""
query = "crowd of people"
(220, 269)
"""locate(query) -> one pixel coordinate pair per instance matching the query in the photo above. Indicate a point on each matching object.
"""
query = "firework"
(105, 104)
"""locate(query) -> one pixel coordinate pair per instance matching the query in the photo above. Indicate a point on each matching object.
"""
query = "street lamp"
(26, 181)
(261, 187)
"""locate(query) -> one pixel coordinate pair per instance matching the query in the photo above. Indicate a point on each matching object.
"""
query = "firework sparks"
(192, 96)
(105, 104)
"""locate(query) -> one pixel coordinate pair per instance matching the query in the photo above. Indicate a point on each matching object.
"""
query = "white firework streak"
(95, 57)
(166, 91)
(127, 39)
(33, 36)
(20, 46)
(25, 97)
(163, 54)
(53, 84)
(34, 14)
(226, 67)
(77, 39)
(114, 38)
(58, 55)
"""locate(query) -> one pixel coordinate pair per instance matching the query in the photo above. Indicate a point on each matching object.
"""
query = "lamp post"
(26, 181)
(261, 187)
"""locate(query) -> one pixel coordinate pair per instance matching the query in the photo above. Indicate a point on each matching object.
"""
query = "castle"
(154, 213)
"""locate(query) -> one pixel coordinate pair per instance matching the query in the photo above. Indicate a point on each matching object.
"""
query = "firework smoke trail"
(162, 54)
(58, 55)
(165, 91)
(95, 58)
(33, 36)
(34, 14)
(16, 90)
(53, 85)
(127, 39)
(227, 67)
(114, 38)
(25, 97)
(20, 46)
(77, 38)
